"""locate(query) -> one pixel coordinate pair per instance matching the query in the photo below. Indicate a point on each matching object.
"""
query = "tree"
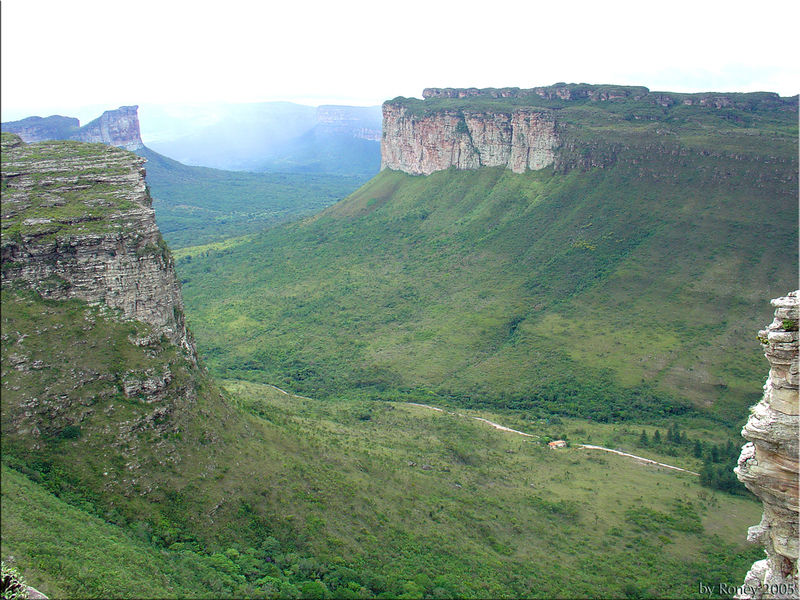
(644, 441)
(698, 449)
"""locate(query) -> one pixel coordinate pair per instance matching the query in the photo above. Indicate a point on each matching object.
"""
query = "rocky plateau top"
(77, 222)
(562, 126)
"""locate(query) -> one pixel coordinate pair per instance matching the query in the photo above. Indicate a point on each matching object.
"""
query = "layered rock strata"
(522, 139)
(768, 464)
(535, 128)
(77, 223)
(118, 127)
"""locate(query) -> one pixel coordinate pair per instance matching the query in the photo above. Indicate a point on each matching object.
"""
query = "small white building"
(557, 444)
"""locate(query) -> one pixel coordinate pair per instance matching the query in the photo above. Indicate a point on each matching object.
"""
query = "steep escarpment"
(521, 140)
(118, 127)
(77, 223)
(768, 464)
(103, 399)
(566, 126)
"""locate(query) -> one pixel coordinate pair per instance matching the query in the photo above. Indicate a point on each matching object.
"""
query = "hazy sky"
(83, 56)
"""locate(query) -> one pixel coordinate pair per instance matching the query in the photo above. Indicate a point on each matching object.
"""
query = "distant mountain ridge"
(119, 127)
(269, 136)
(261, 137)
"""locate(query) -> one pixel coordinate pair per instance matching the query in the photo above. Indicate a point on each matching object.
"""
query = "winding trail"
(581, 446)
(639, 458)
(509, 430)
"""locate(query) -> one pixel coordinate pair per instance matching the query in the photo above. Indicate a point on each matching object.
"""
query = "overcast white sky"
(83, 56)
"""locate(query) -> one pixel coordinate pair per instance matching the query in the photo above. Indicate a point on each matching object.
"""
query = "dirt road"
(581, 446)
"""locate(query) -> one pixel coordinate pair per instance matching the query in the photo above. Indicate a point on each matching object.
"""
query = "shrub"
(12, 585)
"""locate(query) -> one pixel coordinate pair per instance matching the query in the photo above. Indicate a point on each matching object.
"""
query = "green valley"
(198, 205)
(592, 269)
(624, 292)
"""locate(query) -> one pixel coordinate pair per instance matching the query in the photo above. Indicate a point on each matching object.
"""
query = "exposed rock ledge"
(467, 139)
(77, 223)
(768, 464)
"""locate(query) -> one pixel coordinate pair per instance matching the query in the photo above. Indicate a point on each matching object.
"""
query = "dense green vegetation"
(613, 305)
(626, 292)
(371, 499)
(198, 205)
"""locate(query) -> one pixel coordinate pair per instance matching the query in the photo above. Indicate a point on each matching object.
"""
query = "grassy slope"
(532, 290)
(196, 205)
(85, 557)
(342, 486)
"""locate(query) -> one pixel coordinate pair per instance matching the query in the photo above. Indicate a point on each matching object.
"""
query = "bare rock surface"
(768, 464)
(77, 223)
(522, 140)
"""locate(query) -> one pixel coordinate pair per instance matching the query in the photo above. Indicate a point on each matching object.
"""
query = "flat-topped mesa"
(584, 92)
(77, 222)
(559, 91)
(768, 464)
(118, 127)
(566, 126)
(524, 139)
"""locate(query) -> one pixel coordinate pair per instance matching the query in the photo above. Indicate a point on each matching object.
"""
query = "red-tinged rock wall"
(522, 139)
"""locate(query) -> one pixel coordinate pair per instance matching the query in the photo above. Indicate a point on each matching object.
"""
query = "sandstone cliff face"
(118, 127)
(768, 464)
(77, 223)
(531, 129)
(522, 139)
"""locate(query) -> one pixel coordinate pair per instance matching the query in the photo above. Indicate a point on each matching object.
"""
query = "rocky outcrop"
(77, 223)
(535, 128)
(520, 140)
(768, 464)
(578, 92)
(118, 127)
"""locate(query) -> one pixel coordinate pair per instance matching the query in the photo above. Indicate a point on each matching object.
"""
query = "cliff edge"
(565, 126)
(768, 464)
(520, 140)
(77, 222)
